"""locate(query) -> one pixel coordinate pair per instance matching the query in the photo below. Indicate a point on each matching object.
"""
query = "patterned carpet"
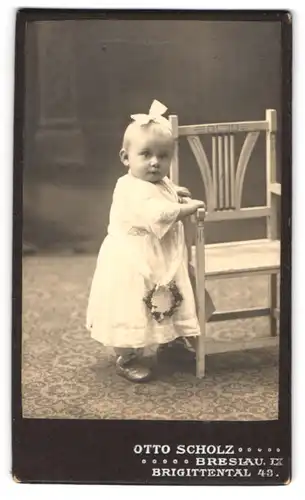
(66, 374)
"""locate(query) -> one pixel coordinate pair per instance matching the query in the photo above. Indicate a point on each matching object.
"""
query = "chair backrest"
(223, 177)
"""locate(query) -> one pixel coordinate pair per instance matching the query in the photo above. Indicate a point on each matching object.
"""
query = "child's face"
(149, 155)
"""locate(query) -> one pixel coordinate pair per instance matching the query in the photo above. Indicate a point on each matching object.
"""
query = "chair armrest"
(276, 188)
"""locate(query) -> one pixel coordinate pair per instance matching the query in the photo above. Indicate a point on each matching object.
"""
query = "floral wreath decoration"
(163, 300)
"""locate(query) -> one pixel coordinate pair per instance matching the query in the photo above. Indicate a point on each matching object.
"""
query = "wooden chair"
(223, 183)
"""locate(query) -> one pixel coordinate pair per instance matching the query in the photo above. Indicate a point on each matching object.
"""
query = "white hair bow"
(157, 109)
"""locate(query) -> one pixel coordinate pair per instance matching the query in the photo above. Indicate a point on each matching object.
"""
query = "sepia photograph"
(151, 225)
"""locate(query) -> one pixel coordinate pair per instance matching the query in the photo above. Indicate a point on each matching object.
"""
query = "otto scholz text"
(201, 460)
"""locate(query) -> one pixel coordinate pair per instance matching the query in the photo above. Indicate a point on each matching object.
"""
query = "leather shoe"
(133, 370)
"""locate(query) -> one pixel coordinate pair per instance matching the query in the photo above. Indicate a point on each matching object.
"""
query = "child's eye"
(145, 153)
(163, 155)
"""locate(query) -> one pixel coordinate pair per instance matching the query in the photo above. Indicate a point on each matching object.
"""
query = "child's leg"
(128, 353)
(129, 366)
(178, 350)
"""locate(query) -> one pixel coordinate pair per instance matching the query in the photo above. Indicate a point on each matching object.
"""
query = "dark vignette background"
(85, 77)
(65, 451)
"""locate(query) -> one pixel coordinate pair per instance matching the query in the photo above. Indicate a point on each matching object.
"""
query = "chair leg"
(200, 354)
(273, 304)
(198, 342)
(201, 341)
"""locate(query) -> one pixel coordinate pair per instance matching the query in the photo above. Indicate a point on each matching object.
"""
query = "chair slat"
(242, 164)
(223, 128)
(220, 173)
(213, 347)
(253, 312)
(243, 213)
(227, 179)
(205, 169)
(214, 169)
(232, 170)
(222, 178)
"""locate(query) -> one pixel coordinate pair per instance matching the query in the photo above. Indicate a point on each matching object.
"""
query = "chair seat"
(241, 257)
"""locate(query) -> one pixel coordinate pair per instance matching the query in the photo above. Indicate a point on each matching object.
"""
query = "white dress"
(144, 247)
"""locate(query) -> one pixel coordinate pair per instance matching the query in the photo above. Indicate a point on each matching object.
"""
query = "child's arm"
(189, 208)
(159, 215)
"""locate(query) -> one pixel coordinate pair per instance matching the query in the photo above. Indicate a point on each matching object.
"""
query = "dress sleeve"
(159, 216)
(142, 210)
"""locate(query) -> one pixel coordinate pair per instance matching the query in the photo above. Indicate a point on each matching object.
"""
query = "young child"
(141, 294)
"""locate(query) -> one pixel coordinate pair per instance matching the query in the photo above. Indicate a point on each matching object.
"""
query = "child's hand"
(183, 192)
(190, 208)
(197, 204)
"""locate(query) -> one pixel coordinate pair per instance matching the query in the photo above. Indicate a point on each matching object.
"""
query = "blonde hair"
(134, 128)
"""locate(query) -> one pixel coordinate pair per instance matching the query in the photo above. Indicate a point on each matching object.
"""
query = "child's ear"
(124, 157)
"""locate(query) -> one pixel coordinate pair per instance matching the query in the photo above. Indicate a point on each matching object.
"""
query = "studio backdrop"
(83, 80)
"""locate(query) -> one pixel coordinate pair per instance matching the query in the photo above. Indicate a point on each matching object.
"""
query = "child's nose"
(154, 161)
